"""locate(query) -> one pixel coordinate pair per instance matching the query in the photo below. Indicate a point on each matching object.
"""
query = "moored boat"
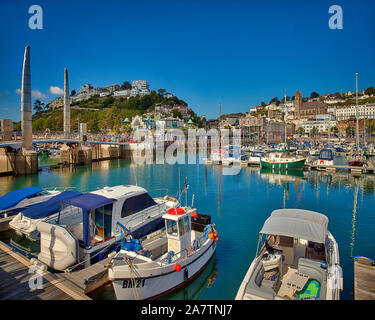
(17, 200)
(282, 161)
(297, 259)
(325, 158)
(164, 262)
(85, 229)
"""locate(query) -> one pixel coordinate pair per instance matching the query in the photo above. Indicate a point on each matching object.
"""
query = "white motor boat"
(25, 222)
(165, 261)
(298, 259)
(85, 230)
(325, 158)
(255, 157)
(17, 200)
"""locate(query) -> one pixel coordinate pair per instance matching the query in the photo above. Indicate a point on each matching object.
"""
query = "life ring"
(321, 162)
(176, 211)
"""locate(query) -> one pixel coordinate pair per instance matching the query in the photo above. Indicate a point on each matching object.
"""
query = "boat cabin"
(178, 230)
(87, 224)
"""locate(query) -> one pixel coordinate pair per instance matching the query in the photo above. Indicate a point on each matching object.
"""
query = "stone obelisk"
(26, 111)
(26, 159)
(66, 105)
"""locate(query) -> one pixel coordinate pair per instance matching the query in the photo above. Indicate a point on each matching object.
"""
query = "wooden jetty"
(15, 276)
(364, 279)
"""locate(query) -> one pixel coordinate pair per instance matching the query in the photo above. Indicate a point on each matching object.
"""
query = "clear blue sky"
(235, 52)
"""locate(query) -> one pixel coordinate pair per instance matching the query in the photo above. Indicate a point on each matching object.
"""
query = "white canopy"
(297, 223)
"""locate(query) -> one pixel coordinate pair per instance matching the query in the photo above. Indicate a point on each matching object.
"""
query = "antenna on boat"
(192, 201)
(186, 187)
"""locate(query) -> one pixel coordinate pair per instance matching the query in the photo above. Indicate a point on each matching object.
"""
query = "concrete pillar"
(66, 105)
(26, 111)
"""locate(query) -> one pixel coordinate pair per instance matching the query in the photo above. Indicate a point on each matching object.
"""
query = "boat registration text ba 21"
(189, 309)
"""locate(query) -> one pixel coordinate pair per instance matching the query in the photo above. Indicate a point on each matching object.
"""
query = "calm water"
(239, 205)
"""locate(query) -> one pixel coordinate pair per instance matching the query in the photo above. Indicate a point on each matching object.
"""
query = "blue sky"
(237, 53)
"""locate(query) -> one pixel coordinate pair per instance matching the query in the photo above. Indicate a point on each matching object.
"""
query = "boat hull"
(165, 281)
(292, 165)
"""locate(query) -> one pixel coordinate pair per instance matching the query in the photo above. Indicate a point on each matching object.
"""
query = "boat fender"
(177, 267)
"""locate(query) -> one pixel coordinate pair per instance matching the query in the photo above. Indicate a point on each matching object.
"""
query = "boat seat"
(259, 287)
(313, 269)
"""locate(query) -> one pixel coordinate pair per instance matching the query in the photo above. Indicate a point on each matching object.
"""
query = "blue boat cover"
(52, 205)
(12, 198)
(88, 202)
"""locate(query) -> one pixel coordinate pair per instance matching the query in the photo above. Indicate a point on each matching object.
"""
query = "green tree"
(314, 95)
(301, 131)
(73, 93)
(38, 106)
(126, 85)
(370, 91)
(335, 131)
(162, 91)
(176, 113)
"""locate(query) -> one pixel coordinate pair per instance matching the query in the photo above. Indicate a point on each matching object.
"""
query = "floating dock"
(16, 275)
(364, 278)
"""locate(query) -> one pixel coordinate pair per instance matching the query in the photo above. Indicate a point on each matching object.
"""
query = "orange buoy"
(191, 251)
(215, 235)
(194, 215)
(177, 267)
(210, 235)
(216, 239)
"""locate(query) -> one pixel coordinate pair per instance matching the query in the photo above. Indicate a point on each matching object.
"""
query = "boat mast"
(356, 110)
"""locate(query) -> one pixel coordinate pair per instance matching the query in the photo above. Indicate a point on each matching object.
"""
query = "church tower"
(297, 104)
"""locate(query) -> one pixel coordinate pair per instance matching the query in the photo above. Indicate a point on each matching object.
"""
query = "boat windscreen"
(136, 204)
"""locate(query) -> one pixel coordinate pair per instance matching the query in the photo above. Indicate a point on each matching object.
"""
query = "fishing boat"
(85, 230)
(325, 159)
(297, 259)
(17, 200)
(166, 260)
(282, 161)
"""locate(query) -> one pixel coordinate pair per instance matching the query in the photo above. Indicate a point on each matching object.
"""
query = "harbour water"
(239, 205)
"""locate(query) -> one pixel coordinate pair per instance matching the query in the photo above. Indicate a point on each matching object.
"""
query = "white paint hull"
(164, 279)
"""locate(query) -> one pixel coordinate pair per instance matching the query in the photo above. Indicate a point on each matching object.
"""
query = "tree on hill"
(162, 91)
(126, 85)
(73, 93)
(274, 100)
(370, 91)
(38, 106)
(314, 95)
(176, 113)
(337, 95)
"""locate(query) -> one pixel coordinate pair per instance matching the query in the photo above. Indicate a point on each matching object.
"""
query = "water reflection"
(354, 217)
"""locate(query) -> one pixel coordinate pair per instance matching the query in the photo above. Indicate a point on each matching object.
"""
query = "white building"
(120, 93)
(322, 122)
(365, 111)
(141, 87)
